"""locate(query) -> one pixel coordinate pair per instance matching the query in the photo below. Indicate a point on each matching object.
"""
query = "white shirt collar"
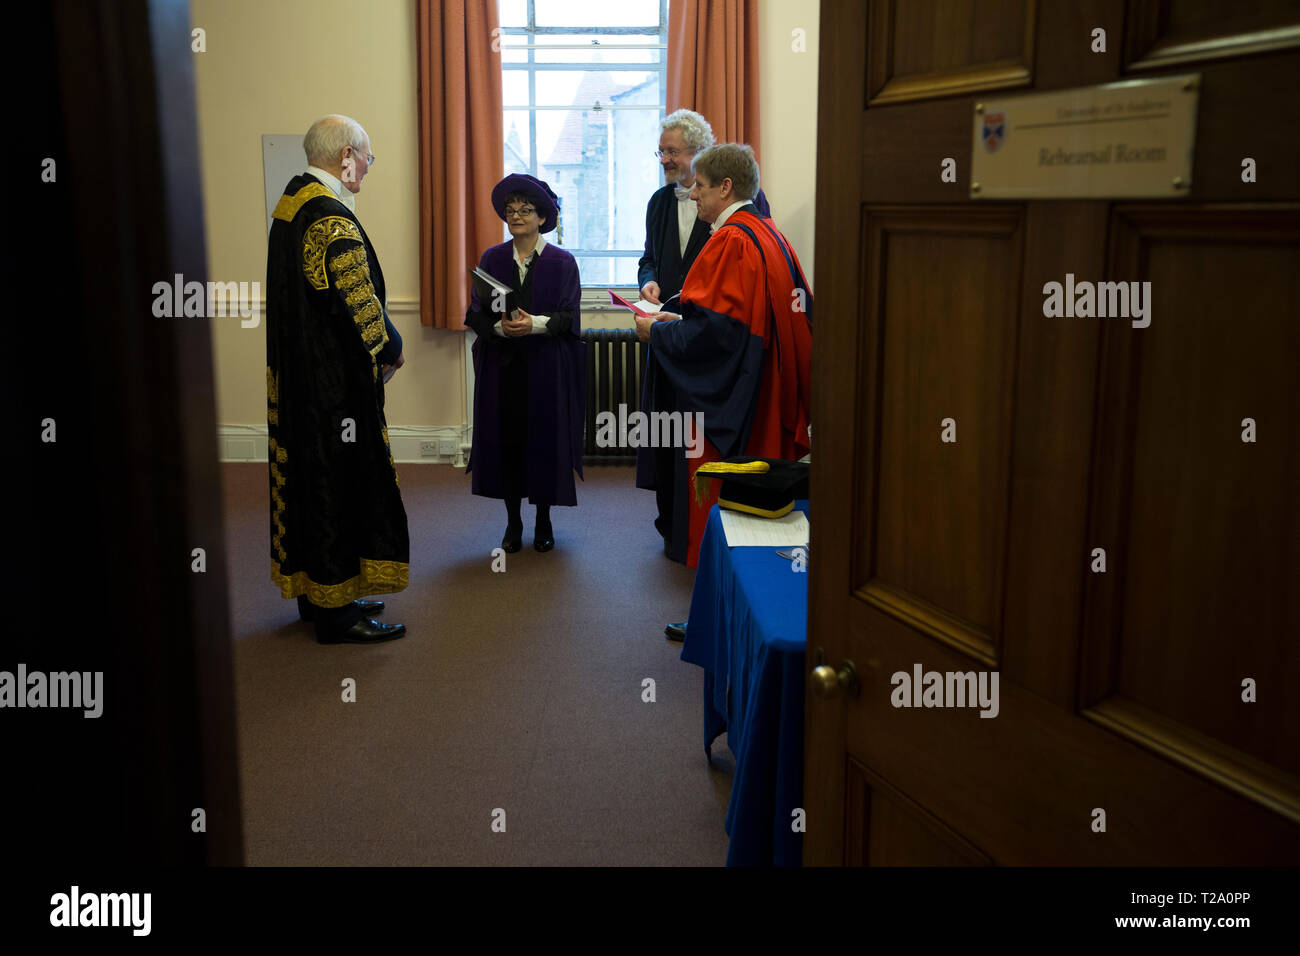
(726, 213)
(333, 182)
(537, 249)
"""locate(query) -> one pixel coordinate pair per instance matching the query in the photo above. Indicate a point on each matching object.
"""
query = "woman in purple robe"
(530, 374)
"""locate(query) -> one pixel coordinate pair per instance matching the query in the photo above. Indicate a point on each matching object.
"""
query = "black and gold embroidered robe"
(338, 527)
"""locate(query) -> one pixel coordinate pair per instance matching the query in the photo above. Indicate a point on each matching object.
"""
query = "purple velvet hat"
(547, 203)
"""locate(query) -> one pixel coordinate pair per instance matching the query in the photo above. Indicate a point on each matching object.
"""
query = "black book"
(494, 295)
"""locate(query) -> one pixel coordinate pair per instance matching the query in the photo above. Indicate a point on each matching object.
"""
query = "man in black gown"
(338, 528)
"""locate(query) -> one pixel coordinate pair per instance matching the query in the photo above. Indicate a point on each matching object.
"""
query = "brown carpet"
(519, 691)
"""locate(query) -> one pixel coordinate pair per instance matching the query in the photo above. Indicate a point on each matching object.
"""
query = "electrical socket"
(428, 449)
(447, 446)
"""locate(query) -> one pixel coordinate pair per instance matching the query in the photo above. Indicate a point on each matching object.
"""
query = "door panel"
(1170, 32)
(887, 829)
(940, 340)
(1201, 526)
(916, 54)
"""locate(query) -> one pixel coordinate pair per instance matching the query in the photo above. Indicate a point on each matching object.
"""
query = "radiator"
(615, 362)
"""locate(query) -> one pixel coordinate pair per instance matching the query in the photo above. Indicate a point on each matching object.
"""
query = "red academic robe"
(741, 353)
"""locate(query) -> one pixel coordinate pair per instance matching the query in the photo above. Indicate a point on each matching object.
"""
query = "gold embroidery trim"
(392, 464)
(376, 577)
(358, 295)
(369, 311)
(288, 206)
(280, 457)
(316, 241)
(346, 281)
(352, 276)
(272, 399)
(356, 256)
(373, 333)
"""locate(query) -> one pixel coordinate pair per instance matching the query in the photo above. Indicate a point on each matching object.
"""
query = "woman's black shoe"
(514, 538)
(543, 537)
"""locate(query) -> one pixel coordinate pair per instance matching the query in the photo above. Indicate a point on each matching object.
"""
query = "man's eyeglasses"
(370, 157)
(671, 153)
(523, 212)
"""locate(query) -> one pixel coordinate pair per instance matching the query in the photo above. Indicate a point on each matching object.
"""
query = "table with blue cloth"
(748, 630)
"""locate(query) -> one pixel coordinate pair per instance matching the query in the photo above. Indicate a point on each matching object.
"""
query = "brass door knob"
(828, 682)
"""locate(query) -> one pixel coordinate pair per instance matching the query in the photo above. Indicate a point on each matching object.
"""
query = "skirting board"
(248, 443)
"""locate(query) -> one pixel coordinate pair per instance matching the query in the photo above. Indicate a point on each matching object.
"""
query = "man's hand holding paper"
(643, 323)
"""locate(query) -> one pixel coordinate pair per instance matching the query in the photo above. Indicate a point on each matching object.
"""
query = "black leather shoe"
(676, 632)
(514, 538)
(367, 609)
(543, 537)
(365, 631)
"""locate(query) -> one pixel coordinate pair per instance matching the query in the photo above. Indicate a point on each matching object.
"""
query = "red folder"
(616, 299)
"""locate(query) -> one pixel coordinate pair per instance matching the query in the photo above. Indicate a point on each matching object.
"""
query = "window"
(582, 111)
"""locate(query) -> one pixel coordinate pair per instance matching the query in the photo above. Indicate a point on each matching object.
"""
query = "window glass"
(582, 112)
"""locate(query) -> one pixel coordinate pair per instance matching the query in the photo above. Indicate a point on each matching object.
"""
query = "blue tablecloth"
(748, 630)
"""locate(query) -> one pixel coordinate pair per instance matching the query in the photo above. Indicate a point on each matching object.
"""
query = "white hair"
(327, 137)
(695, 128)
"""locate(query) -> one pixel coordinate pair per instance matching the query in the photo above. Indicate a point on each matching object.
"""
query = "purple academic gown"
(556, 373)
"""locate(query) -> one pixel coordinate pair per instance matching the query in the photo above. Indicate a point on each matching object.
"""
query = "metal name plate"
(1121, 140)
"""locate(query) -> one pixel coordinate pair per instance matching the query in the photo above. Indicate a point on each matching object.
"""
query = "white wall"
(788, 114)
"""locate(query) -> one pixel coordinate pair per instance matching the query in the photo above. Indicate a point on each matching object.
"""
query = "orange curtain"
(458, 52)
(713, 65)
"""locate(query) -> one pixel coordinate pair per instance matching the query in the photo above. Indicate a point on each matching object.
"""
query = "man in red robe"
(740, 352)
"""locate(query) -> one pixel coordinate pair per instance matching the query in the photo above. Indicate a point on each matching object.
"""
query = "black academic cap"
(766, 487)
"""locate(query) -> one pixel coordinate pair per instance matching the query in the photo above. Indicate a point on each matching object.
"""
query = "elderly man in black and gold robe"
(338, 528)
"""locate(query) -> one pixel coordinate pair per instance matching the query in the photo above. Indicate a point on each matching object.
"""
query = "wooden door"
(1118, 691)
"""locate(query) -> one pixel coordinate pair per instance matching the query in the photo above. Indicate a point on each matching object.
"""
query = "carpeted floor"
(518, 692)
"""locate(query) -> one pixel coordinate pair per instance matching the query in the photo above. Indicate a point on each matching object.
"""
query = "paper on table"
(751, 531)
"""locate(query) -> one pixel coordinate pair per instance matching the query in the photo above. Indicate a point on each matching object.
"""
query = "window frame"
(591, 295)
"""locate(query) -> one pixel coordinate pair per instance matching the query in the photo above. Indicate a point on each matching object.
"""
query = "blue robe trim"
(714, 363)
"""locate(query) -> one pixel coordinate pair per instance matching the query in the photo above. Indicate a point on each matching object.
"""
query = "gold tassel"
(701, 476)
(701, 486)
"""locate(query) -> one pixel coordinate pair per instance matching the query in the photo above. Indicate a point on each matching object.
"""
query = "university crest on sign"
(995, 131)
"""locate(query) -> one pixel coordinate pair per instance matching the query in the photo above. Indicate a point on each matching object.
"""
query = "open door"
(1120, 693)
